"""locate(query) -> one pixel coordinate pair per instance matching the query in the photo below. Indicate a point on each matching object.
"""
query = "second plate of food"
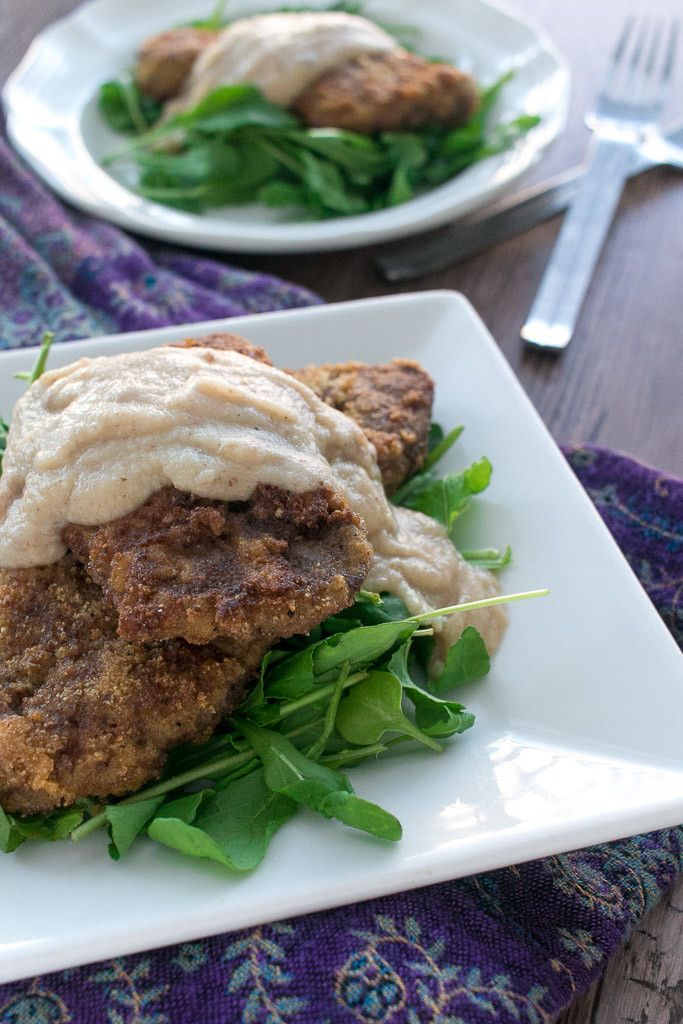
(327, 193)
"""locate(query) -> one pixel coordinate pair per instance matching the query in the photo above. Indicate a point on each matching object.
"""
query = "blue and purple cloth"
(514, 945)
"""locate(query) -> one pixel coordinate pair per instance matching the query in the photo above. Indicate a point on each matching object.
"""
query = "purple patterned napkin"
(514, 945)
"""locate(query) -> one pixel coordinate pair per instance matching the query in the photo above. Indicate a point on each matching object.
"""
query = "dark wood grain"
(619, 384)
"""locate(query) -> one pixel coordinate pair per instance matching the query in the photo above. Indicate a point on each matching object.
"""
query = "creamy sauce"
(92, 441)
(281, 53)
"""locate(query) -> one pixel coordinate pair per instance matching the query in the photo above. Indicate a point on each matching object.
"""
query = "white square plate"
(578, 731)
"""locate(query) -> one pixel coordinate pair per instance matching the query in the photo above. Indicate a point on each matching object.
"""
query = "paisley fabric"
(514, 945)
(77, 276)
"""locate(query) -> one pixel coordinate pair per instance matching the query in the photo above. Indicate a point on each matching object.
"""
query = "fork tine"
(619, 56)
(654, 47)
(670, 57)
(639, 44)
(623, 40)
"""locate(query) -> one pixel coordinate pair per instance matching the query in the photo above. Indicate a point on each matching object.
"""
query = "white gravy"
(92, 441)
(281, 53)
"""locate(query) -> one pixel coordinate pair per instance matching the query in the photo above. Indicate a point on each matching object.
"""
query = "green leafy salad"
(235, 147)
(351, 690)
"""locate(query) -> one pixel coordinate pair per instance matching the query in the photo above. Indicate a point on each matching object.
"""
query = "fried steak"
(392, 91)
(392, 403)
(165, 60)
(82, 711)
(151, 629)
(252, 571)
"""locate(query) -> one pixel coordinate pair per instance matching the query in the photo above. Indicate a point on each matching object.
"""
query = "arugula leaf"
(359, 646)
(289, 772)
(10, 837)
(125, 109)
(126, 821)
(186, 839)
(242, 818)
(468, 659)
(437, 717)
(323, 172)
(446, 498)
(434, 716)
(184, 807)
(292, 677)
(233, 826)
(364, 613)
(299, 672)
(372, 708)
(50, 827)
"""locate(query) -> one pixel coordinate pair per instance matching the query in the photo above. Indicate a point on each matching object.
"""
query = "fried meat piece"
(252, 571)
(85, 713)
(224, 342)
(165, 61)
(391, 91)
(392, 403)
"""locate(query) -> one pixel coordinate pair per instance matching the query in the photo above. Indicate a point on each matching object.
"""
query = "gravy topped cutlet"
(169, 515)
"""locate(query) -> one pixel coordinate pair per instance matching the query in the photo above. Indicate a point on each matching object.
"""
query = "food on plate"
(388, 92)
(165, 60)
(321, 111)
(192, 538)
(283, 54)
(335, 70)
(392, 403)
(84, 713)
(253, 571)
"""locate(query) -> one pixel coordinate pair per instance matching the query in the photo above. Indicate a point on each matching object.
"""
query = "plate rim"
(296, 237)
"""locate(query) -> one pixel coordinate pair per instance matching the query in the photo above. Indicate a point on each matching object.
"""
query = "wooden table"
(620, 383)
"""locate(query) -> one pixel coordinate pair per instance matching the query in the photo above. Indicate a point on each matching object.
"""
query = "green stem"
(215, 19)
(318, 747)
(153, 135)
(487, 602)
(344, 756)
(279, 154)
(131, 100)
(41, 360)
(442, 447)
(320, 693)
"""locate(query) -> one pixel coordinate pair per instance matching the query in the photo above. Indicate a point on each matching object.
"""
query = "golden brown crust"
(164, 61)
(390, 91)
(224, 342)
(392, 403)
(85, 713)
(258, 570)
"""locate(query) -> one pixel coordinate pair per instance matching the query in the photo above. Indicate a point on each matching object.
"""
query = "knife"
(515, 214)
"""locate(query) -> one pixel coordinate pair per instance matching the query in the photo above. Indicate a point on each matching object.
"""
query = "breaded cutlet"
(391, 402)
(253, 571)
(391, 91)
(86, 713)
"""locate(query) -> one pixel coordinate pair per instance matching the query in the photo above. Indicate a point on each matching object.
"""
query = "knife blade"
(514, 215)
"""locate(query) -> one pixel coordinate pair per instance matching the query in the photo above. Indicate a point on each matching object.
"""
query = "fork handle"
(556, 308)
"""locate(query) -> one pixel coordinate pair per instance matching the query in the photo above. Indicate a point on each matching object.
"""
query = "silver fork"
(628, 106)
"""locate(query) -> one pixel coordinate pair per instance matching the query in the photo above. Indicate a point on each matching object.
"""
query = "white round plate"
(53, 121)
